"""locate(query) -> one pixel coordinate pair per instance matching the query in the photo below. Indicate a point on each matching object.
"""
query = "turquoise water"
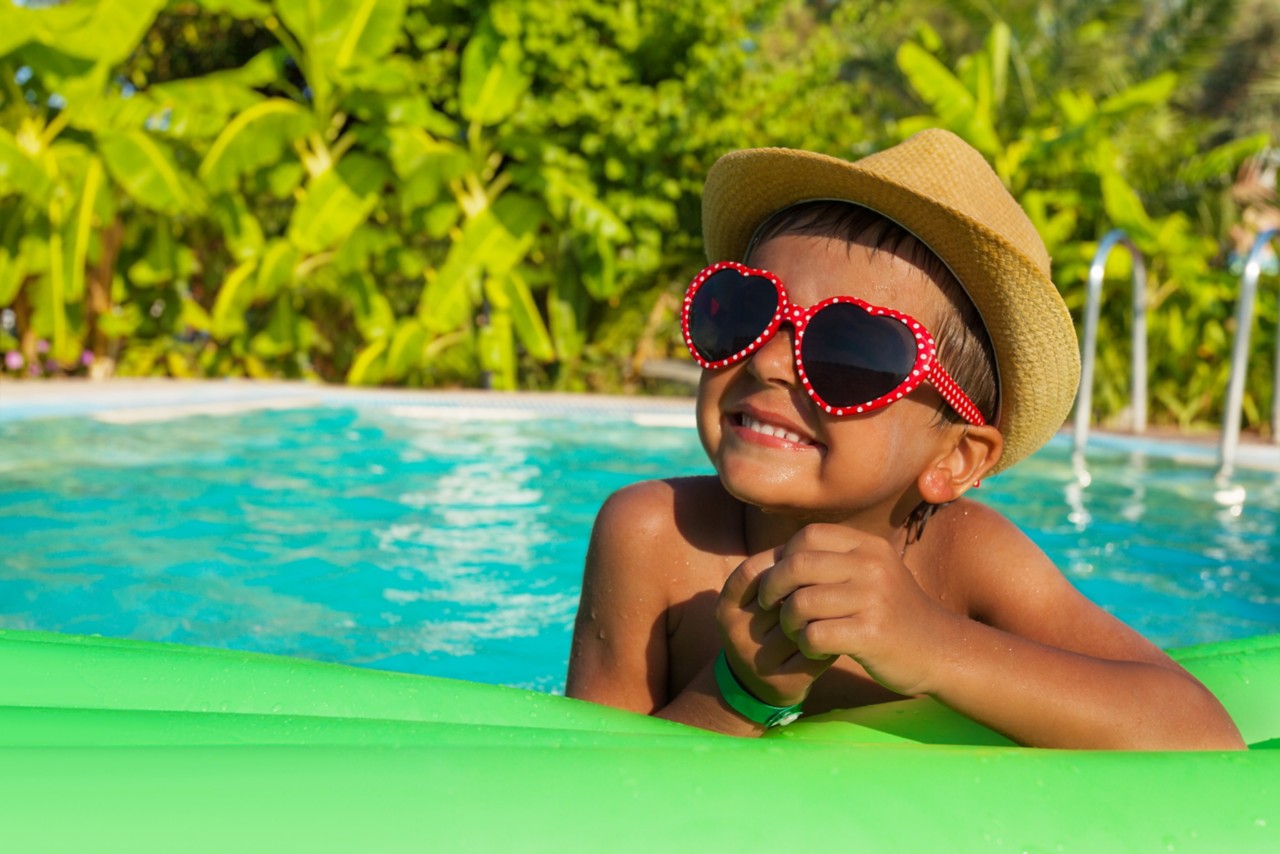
(411, 539)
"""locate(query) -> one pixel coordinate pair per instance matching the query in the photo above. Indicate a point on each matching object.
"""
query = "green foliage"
(440, 192)
(1089, 153)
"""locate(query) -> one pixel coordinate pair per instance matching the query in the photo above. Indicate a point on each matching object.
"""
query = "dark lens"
(852, 357)
(729, 312)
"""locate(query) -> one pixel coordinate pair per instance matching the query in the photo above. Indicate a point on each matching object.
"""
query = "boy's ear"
(966, 462)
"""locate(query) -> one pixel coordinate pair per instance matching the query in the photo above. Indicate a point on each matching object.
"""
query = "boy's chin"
(783, 499)
(768, 501)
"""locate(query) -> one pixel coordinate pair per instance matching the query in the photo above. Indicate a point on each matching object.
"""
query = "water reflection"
(455, 548)
(1142, 523)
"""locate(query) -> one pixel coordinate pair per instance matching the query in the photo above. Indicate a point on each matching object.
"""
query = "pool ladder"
(1240, 358)
(1088, 355)
(1230, 438)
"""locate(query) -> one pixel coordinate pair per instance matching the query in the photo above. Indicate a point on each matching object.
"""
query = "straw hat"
(942, 191)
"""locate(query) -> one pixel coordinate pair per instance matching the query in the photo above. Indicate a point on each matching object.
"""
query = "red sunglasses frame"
(925, 369)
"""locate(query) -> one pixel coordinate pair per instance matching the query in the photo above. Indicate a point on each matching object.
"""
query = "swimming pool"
(445, 535)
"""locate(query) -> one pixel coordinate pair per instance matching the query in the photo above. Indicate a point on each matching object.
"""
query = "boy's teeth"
(771, 430)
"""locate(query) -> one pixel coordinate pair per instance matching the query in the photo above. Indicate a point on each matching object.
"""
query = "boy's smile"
(774, 448)
(753, 424)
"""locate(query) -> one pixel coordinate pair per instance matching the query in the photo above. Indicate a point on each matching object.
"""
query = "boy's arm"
(1047, 667)
(619, 655)
(1030, 658)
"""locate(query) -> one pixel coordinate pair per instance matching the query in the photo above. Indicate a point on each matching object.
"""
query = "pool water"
(449, 542)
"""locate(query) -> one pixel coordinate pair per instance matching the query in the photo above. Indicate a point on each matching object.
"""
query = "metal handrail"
(1240, 357)
(1089, 346)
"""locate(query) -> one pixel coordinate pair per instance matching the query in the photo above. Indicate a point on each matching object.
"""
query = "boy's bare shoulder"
(641, 563)
(980, 556)
(695, 512)
(1000, 577)
(967, 525)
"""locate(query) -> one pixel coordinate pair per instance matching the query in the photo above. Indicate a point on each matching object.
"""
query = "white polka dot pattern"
(925, 369)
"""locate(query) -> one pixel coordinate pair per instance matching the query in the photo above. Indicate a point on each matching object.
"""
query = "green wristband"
(742, 701)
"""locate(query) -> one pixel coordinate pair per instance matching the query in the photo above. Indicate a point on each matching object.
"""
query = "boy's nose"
(775, 361)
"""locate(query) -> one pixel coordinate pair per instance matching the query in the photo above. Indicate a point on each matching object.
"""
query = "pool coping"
(125, 400)
(63, 398)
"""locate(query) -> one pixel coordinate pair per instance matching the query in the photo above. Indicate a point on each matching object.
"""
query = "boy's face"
(774, 448)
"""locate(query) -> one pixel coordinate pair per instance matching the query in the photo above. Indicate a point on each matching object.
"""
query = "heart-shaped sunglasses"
(851, 356)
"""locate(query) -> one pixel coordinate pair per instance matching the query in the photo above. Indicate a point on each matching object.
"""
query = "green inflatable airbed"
(111, 745)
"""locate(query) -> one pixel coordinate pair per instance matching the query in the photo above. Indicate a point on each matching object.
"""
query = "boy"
(804, 577)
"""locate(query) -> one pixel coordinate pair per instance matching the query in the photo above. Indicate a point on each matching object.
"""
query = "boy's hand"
(838, 591)
(766, 661)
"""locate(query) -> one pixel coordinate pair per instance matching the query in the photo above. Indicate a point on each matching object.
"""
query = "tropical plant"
(386, 191)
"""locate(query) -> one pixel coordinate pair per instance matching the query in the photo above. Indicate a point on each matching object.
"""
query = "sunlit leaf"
(240, 228)
(145, 167)
(53, 305)
(425, 166)
(1124, 207)
(280, 181)
(21, 175)
(88, 110)
(178, 365)
(277, 269)
(250, 9)
(278, 339)
(492, 243)
(998, 41)
(446, 301)
(406, 349)
(194, 316)
(196, 108)
(956, 106)
(61, 71)
(336, 203)
(158, 264)
(374, 316)
(80, 229)
(413, 150)
(367, 368)
(526, 319)
(341, 33)
(1157, 90)
(259, 136)
(18, 29)
(103, 31)
(267, 67)
(1223, 160)
(121, 322)
(369, 32)
(392, 76)
(234, 296)
(492, 81)
(367, 245)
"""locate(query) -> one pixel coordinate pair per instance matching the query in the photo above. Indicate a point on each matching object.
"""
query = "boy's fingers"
(821, 554)
(803, 569)
(738, 612)
(741, 587)
(812, 604)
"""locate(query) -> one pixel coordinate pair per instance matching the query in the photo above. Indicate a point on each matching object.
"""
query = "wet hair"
(963, 344)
